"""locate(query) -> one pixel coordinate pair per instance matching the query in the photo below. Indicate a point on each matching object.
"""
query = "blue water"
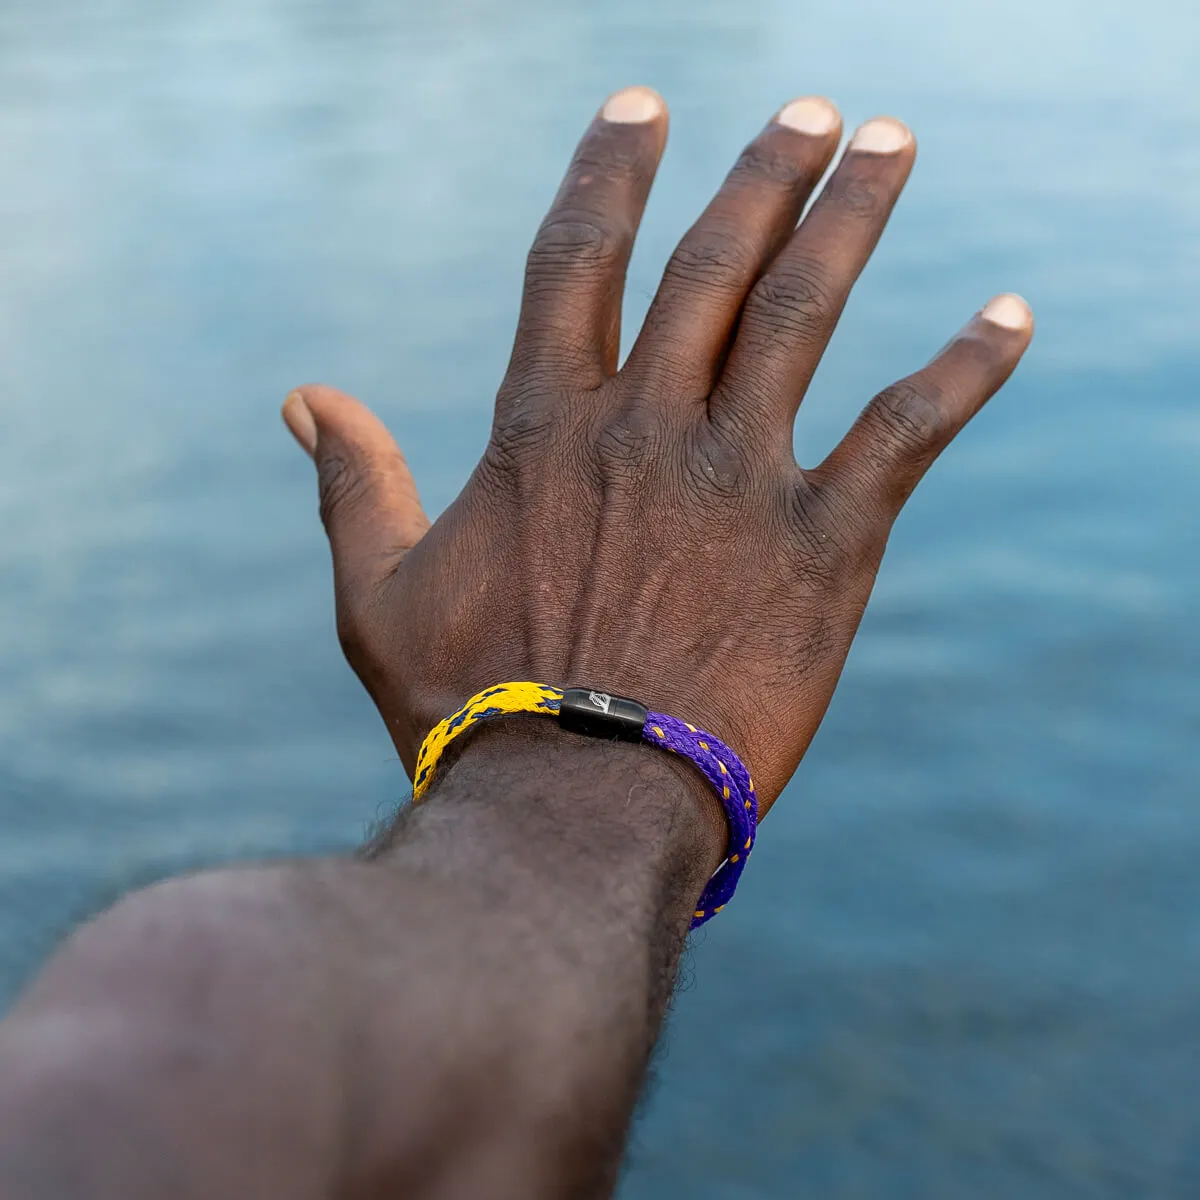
(967, 962)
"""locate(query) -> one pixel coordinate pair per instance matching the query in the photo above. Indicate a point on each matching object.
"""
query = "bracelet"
(599, 714)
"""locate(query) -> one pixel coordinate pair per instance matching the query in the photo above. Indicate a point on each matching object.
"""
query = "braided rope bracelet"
(599, 714)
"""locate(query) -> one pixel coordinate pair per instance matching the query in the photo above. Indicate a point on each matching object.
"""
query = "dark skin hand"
(647, 530)
(467, 1008)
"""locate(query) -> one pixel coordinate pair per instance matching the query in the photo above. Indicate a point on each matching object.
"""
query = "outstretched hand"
(647, 529)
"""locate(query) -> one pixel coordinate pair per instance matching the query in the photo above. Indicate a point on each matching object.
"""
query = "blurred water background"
(967, 962)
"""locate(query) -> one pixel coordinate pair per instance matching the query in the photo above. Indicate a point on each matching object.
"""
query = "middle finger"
(686, 333)
(791, 313)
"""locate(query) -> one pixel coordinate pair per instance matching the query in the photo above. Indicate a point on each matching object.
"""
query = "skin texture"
(467, 1008)
(647, 529)
(467, 1011)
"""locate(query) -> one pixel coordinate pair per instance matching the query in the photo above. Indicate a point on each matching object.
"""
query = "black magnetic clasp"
(598, 714)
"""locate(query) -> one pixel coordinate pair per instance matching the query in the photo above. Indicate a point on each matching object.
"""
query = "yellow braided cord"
(496, 701)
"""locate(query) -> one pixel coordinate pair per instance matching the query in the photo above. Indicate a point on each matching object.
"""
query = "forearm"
(469, 1011)
(558, 877)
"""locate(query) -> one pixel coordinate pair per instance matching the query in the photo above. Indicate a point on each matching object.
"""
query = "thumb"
(369, 502)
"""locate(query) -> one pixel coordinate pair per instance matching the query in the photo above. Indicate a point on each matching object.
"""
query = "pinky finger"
(901, 432)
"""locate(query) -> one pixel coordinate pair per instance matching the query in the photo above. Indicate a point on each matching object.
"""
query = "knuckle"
(761, 162)
(911, 414)
(861, 199)
(826, 536)
(716, 468)
(521, 433)
(860, 195)
(609, 157)
(574, 240)
(343, 488)
(713, 257)
(795, 296)
(626, 440)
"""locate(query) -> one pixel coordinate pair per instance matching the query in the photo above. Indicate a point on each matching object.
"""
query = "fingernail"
(633, 105)
(1009, 311)
(813, 115)
(299, 419)
(882, 135)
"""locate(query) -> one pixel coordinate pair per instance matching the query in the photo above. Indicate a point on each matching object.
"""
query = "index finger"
(575, 275)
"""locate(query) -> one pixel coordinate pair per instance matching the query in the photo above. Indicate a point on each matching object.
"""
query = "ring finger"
(791, 313)
(685, 336)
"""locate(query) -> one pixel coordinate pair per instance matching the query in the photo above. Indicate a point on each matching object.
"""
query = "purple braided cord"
(727, 773)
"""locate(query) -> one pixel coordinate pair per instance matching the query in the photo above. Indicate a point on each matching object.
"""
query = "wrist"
(560, 874)
(628, 813)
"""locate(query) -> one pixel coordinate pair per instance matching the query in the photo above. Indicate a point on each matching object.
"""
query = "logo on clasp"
(602, 700)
